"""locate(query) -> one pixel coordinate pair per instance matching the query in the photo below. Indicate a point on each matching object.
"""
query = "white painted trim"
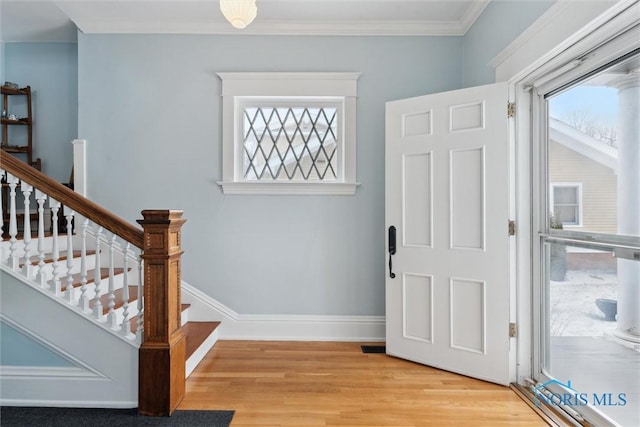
(80, 166)
(291, 188)
(75, 309)
(110, 363)
(80, 367)
(471, 15)
(272, 89)
(289, 84)
(282, 327)
(292, 28)
(565, 23)
(44, 372)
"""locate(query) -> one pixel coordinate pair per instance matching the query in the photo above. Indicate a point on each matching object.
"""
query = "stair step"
(196, 333)
(77, 278)
(119, 300)
(134, 319)
(76, 254)
(20, 235)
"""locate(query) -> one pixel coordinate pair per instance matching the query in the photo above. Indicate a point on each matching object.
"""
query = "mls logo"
(571, 397)
(540, 395)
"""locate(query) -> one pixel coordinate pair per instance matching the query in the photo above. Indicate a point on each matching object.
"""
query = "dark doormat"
(11, 416)
(374, 349)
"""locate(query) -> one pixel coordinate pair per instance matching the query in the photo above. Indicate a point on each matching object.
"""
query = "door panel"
(447, 193)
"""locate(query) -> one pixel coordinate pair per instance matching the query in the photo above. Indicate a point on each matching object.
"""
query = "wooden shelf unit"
(15, 146)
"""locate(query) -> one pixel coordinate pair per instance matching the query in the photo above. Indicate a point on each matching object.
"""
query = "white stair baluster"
(112, 319)
(54, 205)
(84, 298)
(27, 268)
(140, 328)
(126, 324)
(97, 304)
(13, 222)
(41, 277)
(68, 214)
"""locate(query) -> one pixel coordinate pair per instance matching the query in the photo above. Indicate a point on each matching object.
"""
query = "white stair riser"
(47, 246)
(47, 270)
(119, 313)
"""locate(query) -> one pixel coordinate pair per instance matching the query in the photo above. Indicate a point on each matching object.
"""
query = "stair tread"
(196, 333)
(118, 300)
(20, 235)
(77, 278)
(76, 254)
(136, 318)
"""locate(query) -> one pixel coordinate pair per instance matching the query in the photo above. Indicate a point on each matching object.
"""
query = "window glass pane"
(590, 275)
(567, 215)
(566, 195)
(593, 142)
(591, 297)
(290, 143)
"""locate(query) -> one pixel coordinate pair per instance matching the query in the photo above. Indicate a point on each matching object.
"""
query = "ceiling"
(56, 20)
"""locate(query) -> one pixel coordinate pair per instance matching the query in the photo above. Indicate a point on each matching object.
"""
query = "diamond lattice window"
(289, 133)
(290, 143)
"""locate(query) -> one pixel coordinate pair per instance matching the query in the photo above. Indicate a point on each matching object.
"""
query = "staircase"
(101, 274)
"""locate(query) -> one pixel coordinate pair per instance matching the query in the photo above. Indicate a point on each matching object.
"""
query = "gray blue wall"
(51, 69)
(500, 23)
(150, 108)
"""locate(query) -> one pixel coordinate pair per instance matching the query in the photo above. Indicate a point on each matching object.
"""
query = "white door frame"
(545, 49)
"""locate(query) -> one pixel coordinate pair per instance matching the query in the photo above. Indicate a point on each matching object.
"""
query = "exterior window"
(289, 133)
(566, 200)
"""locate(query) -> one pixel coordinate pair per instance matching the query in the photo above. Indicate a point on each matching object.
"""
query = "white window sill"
(292, 188)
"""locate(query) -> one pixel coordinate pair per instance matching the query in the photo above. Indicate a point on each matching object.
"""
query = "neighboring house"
(583, 189)
(582, 180)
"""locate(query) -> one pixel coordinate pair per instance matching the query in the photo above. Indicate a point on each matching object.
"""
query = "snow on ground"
(573, 303)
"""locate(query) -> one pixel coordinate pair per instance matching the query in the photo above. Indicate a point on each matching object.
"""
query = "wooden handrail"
(71, 199)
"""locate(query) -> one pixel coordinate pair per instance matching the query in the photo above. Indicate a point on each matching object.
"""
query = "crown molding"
(472, 14)
(307, 28)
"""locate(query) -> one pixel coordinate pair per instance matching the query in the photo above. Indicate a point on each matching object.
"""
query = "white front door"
(447, 195)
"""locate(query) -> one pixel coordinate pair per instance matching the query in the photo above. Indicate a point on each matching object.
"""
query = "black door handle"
(392, 250)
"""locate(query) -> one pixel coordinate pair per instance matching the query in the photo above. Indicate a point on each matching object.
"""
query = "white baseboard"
(236, 326)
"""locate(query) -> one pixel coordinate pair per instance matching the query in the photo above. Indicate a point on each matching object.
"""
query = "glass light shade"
(239, 13)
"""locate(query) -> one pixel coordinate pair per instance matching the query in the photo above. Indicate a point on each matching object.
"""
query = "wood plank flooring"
(300, 384)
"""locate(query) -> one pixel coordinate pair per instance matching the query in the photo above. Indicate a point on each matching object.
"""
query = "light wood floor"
(335, 384)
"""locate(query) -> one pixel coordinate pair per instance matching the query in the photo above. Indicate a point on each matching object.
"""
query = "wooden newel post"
(161, 373)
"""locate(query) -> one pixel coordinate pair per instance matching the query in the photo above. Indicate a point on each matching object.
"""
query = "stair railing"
(141, 265)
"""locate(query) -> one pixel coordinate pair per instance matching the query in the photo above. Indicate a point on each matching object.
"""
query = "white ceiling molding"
(472, 13)
(275, 17)
(313, 28)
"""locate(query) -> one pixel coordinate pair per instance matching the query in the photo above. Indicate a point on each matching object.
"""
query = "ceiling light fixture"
(239, 13)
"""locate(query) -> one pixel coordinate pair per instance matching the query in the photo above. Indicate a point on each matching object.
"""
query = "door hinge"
(512, 330)
(512, 227)
(511, 109)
